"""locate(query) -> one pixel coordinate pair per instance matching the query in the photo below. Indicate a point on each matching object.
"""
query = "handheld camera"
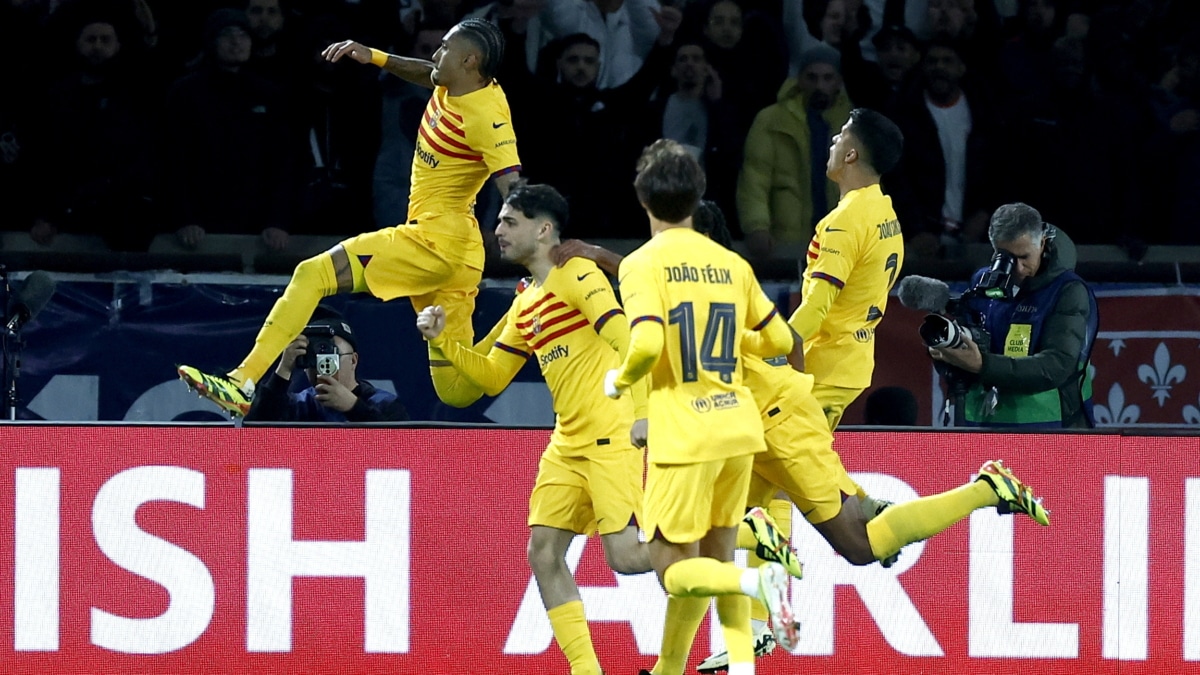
(322, 355)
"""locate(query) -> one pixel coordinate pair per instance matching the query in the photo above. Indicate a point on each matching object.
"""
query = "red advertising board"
(208, 549)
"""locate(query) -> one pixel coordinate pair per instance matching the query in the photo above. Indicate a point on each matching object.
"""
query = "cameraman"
(1034, 373)
(337, 398)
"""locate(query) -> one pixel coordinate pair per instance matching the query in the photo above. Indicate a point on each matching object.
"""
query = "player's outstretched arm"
(491, 372)
(417, 71)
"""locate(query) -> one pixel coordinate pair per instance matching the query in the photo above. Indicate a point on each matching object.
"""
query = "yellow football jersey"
(859, 249)
(560, 322)
(462, 141)
(704, 296)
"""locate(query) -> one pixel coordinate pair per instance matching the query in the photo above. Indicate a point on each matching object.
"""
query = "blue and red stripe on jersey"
(830, 278)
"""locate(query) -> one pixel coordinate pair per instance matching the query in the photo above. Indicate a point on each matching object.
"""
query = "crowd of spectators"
(129, 119)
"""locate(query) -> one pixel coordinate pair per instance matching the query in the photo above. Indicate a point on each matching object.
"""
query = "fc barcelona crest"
(537, 326)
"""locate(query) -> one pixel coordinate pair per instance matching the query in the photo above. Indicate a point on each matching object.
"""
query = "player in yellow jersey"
(853, 260)
(436, 257)
(800, 462)
(690, 301)
(590, 476)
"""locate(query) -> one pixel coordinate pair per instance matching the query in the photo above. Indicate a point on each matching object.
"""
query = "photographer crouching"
(327, 352)
(1035, 370)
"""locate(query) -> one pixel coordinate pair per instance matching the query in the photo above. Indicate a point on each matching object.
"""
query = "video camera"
(953, 318)
(322, 355)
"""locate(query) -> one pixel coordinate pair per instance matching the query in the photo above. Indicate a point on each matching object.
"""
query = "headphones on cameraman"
(1049, 232)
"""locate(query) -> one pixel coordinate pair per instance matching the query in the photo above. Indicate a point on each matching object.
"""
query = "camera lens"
(941, 333)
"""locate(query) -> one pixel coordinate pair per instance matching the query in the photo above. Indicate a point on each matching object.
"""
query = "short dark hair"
(880, 139)
(486, 36)
(669, 181)
(565, 43)
(710, 220)
(540, 201)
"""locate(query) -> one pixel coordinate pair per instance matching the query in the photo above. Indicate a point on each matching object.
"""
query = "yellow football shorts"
(685, 501)
(801, 461)
(411, 261)
(601, 492)
(834, 401)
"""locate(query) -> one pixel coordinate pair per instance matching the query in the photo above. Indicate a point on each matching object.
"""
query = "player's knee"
(624, 561)
(542, 554)
(314, 272)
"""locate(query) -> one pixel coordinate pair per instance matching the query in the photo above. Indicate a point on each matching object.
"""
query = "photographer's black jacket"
(1054, 359)
(273, 403)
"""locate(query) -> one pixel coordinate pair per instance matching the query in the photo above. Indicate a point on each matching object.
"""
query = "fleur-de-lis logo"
(1163, 376)
(1191, 414)
(1116, 413)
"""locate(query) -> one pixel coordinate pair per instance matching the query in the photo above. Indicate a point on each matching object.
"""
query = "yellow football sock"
(679, 631)
(571, 632)
(781, 511)
(702, 577)
(903, 524)
(734, 613)
(745, 537)
(312, 280)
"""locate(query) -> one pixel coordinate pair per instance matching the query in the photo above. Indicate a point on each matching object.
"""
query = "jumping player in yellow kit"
(436, 257)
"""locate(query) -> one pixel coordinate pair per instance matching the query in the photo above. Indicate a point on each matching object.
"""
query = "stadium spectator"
(338, 108)
(93, 146)
(1102, 198)
(783, 190)
(1176, 142)
(229, 152)
(875, 84)
(596, 123)
(695, 112)
(271, 56)
(952, 174)
(626, 31)
(748, 54)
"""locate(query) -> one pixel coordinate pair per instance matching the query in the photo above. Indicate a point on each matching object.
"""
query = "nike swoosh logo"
(834, 229)
(497, 125)
(581, 277)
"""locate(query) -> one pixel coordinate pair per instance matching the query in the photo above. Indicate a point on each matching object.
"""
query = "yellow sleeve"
(774, 336)
(489, 130)
(491, 371)
(485, 343)
(646, 336)
(836, 247)
(645, 345)
(814, 306)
